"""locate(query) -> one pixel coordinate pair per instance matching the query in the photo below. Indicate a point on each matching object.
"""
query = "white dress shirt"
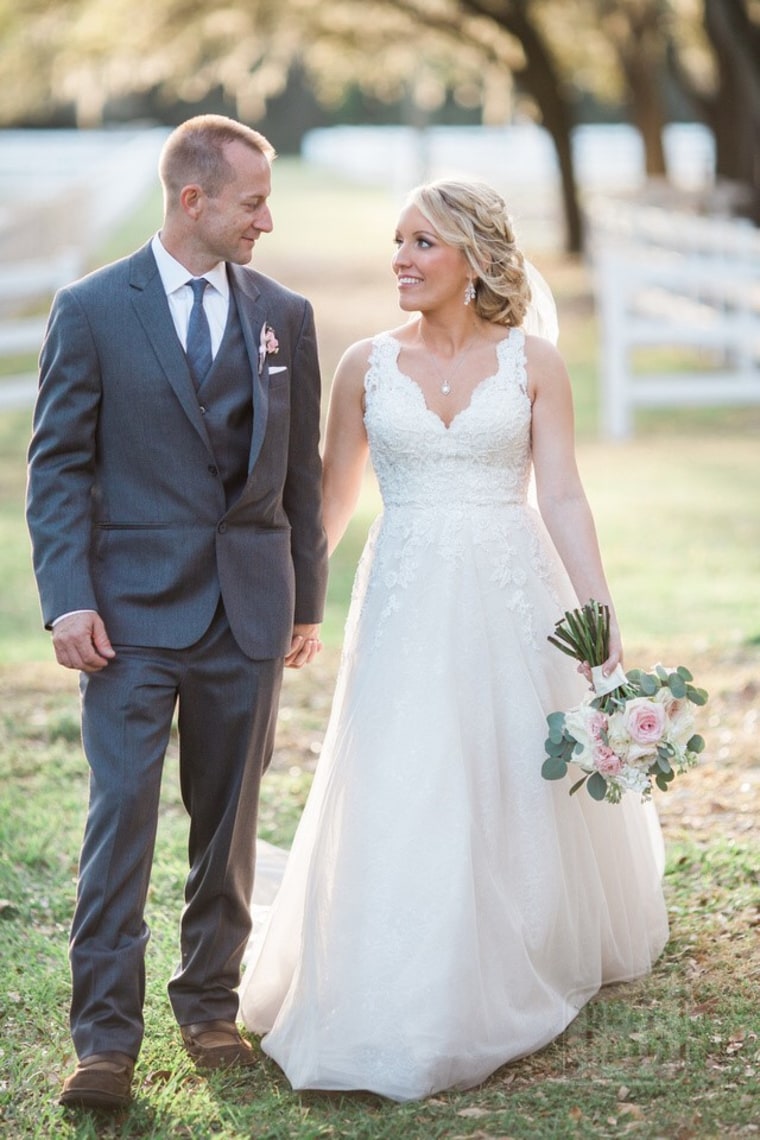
(216, 298)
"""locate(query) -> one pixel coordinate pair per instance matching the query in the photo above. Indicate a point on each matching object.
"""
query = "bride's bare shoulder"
(405, 334)
(357, 355)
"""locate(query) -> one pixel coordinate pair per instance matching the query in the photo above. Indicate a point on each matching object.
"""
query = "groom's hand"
(304, 646)
(81, 642)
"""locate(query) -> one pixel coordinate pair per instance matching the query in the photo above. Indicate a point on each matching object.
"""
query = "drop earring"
(469, 293)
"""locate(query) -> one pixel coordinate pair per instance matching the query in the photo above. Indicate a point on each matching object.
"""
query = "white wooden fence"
(87, 206)
(23, 283)
(665, 280)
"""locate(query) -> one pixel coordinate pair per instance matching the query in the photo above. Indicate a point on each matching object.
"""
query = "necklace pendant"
(445, 388)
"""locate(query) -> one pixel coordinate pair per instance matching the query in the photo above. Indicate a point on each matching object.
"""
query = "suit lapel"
(152, 308)
(252, 313)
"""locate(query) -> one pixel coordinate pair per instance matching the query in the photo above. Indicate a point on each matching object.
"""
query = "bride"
(444, 909)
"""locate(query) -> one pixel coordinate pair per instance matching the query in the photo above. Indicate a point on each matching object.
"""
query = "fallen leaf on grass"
(481, 1136)
(635, 1111)
(157, 1077)
(735, 1044)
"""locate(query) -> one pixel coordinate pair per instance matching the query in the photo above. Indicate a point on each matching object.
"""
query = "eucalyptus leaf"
(695, 743)
(648, 684)
(677, 685)
(553, 768)
(597, 786)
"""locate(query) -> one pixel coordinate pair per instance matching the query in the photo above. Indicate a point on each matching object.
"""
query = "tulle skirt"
(444, 909)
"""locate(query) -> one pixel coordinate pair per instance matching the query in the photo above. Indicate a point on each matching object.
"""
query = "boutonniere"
(268, 345)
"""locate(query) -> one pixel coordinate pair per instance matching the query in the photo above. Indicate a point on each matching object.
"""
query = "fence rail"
(668, 280)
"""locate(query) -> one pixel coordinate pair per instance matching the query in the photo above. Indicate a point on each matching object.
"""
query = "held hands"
(304, 646)
(81, 642)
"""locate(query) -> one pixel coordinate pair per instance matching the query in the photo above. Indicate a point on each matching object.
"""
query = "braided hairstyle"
(473, 217)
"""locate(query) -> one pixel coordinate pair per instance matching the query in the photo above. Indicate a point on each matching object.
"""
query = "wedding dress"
(444, 909)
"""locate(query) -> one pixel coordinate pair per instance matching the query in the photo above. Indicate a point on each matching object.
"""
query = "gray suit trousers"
(226, 714)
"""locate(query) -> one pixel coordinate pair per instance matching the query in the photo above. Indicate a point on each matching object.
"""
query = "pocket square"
(274, 369)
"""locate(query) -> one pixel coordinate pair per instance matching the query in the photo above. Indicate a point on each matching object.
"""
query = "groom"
(174, 509)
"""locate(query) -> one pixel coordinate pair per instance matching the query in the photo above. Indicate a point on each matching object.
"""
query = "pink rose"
(271, 342)
(596, 723)
(607, 762)
(645, 720)
(585, 724)
(268, 345)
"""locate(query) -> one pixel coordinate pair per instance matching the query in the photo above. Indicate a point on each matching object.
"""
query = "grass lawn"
(675, 1055)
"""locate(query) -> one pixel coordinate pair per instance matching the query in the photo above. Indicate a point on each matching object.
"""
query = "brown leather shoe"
(102, 1080)
(216, 1045)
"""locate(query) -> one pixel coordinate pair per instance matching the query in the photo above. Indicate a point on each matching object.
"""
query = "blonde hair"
(473, 217)
(194, 152)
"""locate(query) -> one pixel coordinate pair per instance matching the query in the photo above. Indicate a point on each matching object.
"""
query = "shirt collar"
(174, 275)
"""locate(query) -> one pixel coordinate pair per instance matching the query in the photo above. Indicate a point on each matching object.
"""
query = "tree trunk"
(558, 122)
(735, 109)
(642, 72)
(540, 78)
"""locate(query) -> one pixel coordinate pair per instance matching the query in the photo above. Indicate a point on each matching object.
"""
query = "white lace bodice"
(451, 491)
(481, 459)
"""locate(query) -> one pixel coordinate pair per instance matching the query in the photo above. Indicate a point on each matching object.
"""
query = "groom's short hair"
(194, 153)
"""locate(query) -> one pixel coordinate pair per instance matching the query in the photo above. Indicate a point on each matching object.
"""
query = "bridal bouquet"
(633, 730)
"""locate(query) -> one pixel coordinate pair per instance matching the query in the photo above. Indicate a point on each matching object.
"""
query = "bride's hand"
(304, 646)
(614, 658)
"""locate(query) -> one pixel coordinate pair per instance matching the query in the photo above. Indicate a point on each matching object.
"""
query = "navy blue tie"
(198, 334)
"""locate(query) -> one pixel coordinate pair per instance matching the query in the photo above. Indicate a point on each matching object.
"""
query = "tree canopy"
(538, 55)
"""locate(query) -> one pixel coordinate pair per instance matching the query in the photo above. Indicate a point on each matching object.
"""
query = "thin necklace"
(458, 360)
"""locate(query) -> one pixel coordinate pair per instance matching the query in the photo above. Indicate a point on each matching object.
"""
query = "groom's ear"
(191, 198)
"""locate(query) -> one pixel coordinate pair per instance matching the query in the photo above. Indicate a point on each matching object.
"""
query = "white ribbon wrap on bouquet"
(602, 684)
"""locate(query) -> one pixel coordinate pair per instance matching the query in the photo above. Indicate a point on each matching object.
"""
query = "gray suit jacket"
(125, 512)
